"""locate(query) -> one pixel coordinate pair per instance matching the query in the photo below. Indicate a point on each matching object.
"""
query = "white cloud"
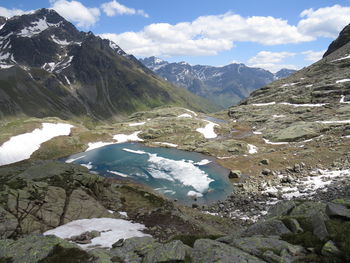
(206, 35)
(209, 35)
(313, 56)
(11, 12)
(114, 8)
(272, 61)
(324, 22)
(76, 12)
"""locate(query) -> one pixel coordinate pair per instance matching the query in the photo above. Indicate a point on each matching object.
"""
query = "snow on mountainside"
(224, 86)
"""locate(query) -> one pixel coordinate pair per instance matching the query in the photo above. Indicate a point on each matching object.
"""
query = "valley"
(101, 160)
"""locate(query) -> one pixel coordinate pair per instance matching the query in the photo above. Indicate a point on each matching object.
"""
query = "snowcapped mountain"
(49, 68)
(224, 86)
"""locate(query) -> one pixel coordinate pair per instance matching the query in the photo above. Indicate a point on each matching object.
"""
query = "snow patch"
(167, 144)
(264, 104)
(342, 100)
(274, 143)
(202, 162)
(137, 124)
(252, 148)
(185, 115)
(95, 145)
(87, 165)
(346, 57)
(22, 146)
(334, 122)
(208, 131)
(342, 80)
(111, 230)
(74, 159)
(120, 138)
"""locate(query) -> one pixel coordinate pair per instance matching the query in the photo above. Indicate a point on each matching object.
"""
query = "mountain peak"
(342, 39)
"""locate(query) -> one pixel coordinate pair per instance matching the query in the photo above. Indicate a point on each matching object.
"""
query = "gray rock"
(295, 226)
(135, 248)
(174, 251)
(319, 226)
(282, 208)
(258, 245)
(330, 249)
(265, 162)
(8, 223)
(270, 227)
(308, 209)
(210, 251)
(266, 171)
(234, 174)
(337, 210)
(37, 248)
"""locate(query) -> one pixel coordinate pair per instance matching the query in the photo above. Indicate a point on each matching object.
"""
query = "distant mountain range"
(224, 86)
(49, 68)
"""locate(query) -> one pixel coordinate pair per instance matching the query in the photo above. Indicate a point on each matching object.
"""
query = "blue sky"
(263, 33)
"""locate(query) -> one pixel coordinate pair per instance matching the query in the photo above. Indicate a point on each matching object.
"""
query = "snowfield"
(208, 131)
(111, 230)
(22, 146)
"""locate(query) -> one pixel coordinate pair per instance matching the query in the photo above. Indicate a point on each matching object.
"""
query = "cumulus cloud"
(114, 8)
(207, 35)
(11, 12)
(76, 12)
(313, 56)
(272, 61)
(324, 22)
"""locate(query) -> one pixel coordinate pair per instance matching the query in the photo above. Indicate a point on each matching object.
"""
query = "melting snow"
(137, 124)
(264, 104)
(167, 144)
(22, 146)
(342, 100)
(274, 143)
(195, 114)
(74, 159)
(341, 58)
(342, 80)
(334, 122)
(194, 194)
(95, 145)
(120, 138)
(36, 28)
(185, 115)
(208, 131)
(252, 149)
(111, 230)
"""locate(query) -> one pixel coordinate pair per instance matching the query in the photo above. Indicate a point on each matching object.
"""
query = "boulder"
(209, 251)
(338, 211)
(8, 223)
(266, 171)
(37, 248)
(234, 174)
(330, 250)
(282, 208)
(319, 226)
(258, 245)
(174, 251)
(270, 227)
(265, 162)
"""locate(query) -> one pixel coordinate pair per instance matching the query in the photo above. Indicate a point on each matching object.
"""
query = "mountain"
(326, 81)
(224, 86)
(49, 68)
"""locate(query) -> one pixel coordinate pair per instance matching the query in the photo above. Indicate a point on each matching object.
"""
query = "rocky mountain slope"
(224, 86)
(49, 68)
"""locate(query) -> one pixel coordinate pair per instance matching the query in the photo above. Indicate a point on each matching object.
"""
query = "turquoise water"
(177, 174)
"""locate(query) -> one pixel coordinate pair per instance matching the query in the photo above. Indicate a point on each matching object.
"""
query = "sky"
(271, 34)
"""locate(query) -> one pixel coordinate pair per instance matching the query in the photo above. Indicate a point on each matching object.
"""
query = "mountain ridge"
(224, 86)
(48, 65)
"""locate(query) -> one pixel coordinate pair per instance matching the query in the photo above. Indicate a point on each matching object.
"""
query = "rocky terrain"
(224, 86)
(287, 149)
(49, 68)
